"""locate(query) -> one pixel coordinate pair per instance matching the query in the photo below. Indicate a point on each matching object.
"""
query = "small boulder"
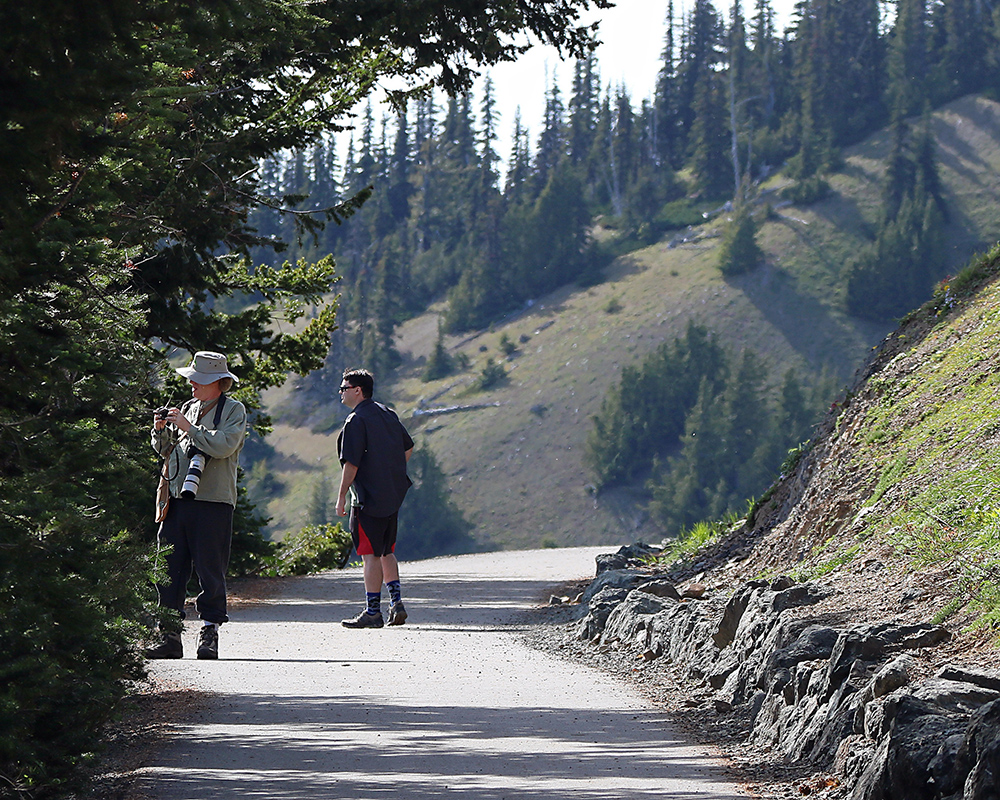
(660, 587)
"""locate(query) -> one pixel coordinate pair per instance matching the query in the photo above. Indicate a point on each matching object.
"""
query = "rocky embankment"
(850, 699)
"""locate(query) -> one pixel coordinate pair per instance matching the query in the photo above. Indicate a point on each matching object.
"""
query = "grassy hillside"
(516, 461)
(898, 502)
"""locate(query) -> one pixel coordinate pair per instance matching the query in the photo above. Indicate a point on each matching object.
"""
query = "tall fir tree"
(907, 59)
(665, 112)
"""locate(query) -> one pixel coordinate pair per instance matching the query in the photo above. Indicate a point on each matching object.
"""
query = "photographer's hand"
(175, 417)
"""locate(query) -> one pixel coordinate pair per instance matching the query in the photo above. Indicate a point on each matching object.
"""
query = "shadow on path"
(451, 705)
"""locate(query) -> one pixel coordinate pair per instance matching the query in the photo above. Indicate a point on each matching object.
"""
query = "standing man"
(200, 444)
(373, 448)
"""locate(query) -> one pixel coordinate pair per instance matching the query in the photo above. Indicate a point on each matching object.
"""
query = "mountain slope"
(515, 463)
(898, 503)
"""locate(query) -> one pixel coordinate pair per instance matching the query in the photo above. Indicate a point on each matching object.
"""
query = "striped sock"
(395, 593)
(374, 602)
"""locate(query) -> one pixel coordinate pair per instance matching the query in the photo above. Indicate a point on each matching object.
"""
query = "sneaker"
(169, 647)
(397, 614)
(208, 642)
(364, 620)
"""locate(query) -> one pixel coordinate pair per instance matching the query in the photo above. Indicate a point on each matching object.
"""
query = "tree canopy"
(132, 134)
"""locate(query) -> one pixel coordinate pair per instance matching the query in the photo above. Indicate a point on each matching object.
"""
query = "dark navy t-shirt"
(375, 441)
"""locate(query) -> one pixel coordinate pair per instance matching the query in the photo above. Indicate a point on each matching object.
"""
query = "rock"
(722, 706)
(627, 555)
(979, 755)
(815, 642)
(942, 767)
(615, 579)
(694, 591)
(892, 676)
(985, 679)
(660, 587)
(802, 594)
(730, 621)
(629, 621)
(842, 698)
(598, 610)
(902, 765)
(873, 642)
(961, 698)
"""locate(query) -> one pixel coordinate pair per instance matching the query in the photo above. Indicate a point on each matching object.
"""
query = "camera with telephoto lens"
(161, 413)
(193, 478)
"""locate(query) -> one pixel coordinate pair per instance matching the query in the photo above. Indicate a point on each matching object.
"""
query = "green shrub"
(507, 346)
(492, 375)
(806, 191)
(439, 365)
(69, 619)
(739, 252)
(678, 214)
(312, 549)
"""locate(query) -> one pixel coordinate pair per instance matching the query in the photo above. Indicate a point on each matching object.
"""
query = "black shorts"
(372, 535)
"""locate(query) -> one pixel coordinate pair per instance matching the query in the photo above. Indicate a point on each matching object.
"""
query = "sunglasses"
(345, 388)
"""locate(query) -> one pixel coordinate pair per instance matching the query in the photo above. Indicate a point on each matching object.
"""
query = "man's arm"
(347, 476)
(407, 455)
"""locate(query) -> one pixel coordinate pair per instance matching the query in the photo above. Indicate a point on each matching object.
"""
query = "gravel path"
(453, 704)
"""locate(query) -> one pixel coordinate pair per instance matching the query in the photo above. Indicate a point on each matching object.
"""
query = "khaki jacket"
(223, 444)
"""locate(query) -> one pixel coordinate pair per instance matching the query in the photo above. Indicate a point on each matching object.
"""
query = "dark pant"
(374, 536)
(200, 535)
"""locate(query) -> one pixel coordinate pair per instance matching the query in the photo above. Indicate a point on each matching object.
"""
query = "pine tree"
(430, 523)
(700, 53)
(686, 490)
(739, 251)
(710, 140)
(643, 418)
(518, 164)
(551, 141)
(400, 188)
(895, 273)
(583, 109)
(665, 115)
(319, 510)
(962, 30)
(907, 59)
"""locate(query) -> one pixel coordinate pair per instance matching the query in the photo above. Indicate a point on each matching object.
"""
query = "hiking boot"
(169, 647)
(364, 620)
(208, 642)
(397, 614)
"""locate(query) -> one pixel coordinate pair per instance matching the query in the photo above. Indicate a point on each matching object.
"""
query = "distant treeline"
(734, 99)
(704, 428)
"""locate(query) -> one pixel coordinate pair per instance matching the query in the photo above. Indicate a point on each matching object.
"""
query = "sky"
(633, 35)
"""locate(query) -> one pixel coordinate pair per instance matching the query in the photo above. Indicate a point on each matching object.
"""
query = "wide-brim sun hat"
(206, 367)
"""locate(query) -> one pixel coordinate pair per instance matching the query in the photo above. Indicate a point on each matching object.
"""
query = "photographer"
(198, 525)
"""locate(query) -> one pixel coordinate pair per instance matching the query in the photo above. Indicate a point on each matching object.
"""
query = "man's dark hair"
(362, 378)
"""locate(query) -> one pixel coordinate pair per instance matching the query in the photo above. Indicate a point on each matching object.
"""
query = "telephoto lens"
(193, 478)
